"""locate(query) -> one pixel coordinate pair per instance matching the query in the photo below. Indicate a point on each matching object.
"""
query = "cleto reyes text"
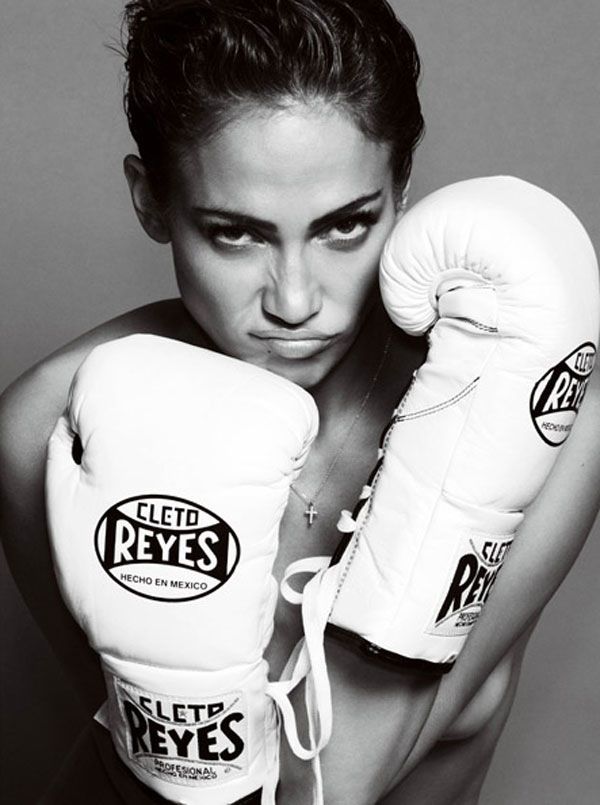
(472, 582)
(180, 550)
(564, 391)
(176, 541)
(211, 731)
(558, 394)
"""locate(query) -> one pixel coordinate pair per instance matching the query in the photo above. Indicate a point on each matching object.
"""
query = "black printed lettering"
(237, 744)
(490, 578)
(137, 727)
(493, 552)
(181, 740)
(214, 708)
(477, 581)
(464, 575)
(158, 742)
(164, 531)
(557, 389)
(206, 739)
(219, 740)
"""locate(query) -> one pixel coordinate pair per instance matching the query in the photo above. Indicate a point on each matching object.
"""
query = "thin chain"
(311, 512)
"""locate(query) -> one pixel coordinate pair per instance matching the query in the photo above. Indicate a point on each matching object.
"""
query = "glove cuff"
(191, 736)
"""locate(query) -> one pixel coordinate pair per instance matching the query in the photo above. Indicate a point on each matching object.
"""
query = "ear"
(148, 211)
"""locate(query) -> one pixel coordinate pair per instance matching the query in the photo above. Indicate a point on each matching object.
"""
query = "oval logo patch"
(166, 548)
(557, 395)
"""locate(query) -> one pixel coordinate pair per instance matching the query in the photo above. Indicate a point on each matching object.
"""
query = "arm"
(28, 411)
(378, 714)
(385, 721)
(492, 275)
(553, 533)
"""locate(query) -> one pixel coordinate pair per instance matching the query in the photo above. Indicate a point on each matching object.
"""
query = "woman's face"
(276, 225)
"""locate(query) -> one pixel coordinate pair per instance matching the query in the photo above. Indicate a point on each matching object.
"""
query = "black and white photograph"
(299, 413)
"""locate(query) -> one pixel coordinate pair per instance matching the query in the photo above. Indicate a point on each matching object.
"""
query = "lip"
(297, 345)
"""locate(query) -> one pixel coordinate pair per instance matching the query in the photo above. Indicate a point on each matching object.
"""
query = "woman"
(275, 143)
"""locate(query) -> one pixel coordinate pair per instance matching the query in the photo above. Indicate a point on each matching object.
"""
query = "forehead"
(312, 158)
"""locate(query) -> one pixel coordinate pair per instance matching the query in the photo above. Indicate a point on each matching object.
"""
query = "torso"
(358, 435)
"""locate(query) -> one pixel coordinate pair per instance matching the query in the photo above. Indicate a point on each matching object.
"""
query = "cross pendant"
(311, 513)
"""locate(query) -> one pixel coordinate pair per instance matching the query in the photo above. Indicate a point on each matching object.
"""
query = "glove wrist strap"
(214, 741)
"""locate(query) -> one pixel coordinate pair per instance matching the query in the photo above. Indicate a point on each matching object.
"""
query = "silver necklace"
(311, 512)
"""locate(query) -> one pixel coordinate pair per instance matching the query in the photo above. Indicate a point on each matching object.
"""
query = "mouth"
(296, 346)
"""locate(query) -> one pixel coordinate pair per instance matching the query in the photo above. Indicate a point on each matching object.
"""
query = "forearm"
(554, 531)
(378, 714)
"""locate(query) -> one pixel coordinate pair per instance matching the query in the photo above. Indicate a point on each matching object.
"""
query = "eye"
(351, 231)
(351, 227)
(230, 237)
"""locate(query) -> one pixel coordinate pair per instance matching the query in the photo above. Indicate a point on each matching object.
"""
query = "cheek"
(216, 295)
(351, 295)
(353, 284)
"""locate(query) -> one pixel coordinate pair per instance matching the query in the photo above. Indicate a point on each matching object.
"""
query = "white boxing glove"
(166, 481)
(507, 279)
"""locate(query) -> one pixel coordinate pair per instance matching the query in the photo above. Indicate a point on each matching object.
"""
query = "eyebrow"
(243, 220)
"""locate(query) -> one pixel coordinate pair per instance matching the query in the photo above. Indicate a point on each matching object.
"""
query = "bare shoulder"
(30, 406)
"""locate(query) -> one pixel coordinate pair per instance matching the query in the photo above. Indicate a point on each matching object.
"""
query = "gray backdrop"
(508, 87)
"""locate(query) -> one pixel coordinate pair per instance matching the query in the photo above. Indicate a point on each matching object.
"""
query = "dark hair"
(191, 63)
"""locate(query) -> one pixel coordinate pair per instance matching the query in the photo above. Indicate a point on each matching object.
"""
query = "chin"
(306, 377)
(305, 372)
(311, 372)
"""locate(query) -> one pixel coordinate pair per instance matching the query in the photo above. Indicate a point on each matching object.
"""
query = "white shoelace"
(307, 660)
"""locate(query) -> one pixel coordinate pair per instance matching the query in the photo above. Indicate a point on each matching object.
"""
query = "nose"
(292, 294)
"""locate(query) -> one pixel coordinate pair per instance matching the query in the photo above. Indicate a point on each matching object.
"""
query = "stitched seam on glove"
(441, 491)
(434, 409)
